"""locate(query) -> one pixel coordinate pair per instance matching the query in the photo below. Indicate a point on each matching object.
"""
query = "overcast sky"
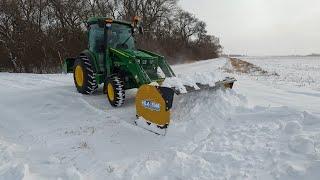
(261, 27)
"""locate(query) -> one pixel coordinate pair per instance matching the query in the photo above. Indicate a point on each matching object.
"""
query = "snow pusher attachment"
(154, 103)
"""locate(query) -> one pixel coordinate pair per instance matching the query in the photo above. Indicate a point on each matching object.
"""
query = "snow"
(297, 71)
(182, 80)
(293, 127)
(267, 127)
(141, 122)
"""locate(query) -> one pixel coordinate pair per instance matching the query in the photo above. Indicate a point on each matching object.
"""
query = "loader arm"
(128, 62)
(139, 74)
(163, 64)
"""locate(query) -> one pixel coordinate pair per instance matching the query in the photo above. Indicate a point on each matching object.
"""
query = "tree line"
(36, 35)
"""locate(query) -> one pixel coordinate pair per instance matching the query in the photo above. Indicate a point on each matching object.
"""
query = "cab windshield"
(120, 37)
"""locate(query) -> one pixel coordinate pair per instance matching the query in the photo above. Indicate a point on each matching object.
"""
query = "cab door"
(96, 44)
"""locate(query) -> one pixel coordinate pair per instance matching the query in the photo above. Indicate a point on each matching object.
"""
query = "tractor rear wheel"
(114, 88)
(84, 76)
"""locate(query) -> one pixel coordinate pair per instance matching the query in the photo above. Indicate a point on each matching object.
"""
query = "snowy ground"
(298, 71)
(266, 128)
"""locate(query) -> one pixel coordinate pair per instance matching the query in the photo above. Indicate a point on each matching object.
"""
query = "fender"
(67, 66)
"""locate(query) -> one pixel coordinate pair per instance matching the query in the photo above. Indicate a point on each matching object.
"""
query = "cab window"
(95, 38)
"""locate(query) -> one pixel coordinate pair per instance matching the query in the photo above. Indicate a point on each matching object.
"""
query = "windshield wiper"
(122, 44)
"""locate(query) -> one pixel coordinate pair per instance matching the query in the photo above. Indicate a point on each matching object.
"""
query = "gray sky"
(261, 27)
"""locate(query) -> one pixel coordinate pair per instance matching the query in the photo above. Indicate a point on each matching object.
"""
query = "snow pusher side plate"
(153, 104)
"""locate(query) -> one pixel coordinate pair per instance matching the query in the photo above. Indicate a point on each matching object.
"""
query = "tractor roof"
(95, 20)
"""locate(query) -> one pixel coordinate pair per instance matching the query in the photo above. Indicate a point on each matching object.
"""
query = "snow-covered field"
(265, 128)
(298, 71)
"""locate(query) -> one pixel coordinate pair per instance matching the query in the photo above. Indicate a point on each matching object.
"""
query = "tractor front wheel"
(83, 75)
(114, 88)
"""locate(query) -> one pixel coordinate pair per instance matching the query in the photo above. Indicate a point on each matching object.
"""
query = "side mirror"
(141, 30)
(137, 25)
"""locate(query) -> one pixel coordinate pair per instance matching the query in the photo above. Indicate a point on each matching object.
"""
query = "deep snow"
(266, 128)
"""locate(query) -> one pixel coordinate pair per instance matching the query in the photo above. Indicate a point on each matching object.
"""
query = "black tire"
(118, 97)
(89, 83)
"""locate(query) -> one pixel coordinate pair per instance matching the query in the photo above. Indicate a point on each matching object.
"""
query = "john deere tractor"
(113, 60)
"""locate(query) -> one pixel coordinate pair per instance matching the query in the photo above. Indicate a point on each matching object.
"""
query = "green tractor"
(112, 59)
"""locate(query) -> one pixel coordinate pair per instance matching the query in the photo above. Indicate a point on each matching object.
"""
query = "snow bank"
(310, 119)
(302, 144)
(17, 172)
(237, 65)
(293, 127)
(12, 166)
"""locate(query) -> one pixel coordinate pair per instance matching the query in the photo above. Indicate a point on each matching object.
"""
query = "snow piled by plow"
(256, 131)
(192, 79)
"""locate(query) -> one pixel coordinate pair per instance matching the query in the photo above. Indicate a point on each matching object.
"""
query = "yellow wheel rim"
(79, 75)
(110, 92)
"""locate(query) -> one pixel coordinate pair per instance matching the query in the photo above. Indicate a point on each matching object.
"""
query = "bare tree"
(36, 35)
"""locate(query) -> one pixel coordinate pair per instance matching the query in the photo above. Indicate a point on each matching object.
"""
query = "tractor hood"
(134, 53)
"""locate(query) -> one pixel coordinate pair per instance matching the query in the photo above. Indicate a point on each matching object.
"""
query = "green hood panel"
(134, 53)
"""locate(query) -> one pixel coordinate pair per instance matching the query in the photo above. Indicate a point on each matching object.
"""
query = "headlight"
(138, 61)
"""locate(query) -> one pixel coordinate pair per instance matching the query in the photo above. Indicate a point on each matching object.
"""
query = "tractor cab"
(120, 36)
(110, 35)
(110, 38)
(105, 34)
